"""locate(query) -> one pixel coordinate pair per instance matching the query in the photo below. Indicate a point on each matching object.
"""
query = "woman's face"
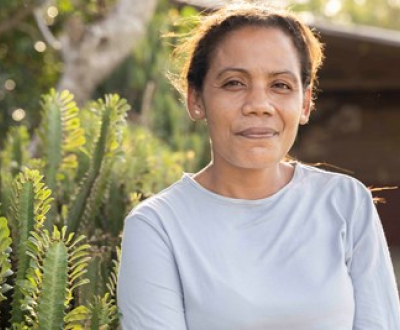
(252, 98)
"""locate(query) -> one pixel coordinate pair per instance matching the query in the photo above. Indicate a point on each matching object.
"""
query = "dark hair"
(213, 28)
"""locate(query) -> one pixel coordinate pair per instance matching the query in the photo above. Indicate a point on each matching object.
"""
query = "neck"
(245, 183)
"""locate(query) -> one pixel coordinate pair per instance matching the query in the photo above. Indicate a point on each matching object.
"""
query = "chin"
(259, 164)
(262, 160)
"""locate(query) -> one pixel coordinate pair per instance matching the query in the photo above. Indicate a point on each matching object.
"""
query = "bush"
(64, 194)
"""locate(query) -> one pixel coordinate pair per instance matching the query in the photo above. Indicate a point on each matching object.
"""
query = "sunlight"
(307, 16)
(40, 46)
(302, 2)
(52, 11)
(332, 7)
(360, 2)
(394, 3)
(10, 85)
(18, 114)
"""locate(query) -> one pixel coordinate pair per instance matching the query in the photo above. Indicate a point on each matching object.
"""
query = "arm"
(149, 290)
(375, 291)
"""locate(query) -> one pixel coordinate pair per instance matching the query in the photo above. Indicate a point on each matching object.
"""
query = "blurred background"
(93, 47)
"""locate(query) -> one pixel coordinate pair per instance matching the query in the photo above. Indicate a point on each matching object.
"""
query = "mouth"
(258, 133)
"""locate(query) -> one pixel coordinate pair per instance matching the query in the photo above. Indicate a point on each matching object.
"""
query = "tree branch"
(44, 29)
(95, 51)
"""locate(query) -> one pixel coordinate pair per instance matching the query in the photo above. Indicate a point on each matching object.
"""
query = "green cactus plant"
(61, 135)
(58, 264)
(62, 138)
(84, 168)
(108, 147)
(115, 168)
(103, 310)
(13, 156)
(5, 263)
(31, 202)
(51, 267)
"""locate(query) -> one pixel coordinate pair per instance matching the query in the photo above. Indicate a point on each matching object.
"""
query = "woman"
(253, 242)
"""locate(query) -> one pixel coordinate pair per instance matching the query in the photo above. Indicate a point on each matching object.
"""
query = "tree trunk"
(90, 53)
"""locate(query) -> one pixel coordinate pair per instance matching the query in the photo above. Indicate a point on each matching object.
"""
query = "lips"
(258, 132)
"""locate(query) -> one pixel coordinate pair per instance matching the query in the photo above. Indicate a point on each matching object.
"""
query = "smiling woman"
(251, 241)
(253, 100)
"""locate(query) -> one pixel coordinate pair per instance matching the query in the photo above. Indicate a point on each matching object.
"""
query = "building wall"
(360, 134)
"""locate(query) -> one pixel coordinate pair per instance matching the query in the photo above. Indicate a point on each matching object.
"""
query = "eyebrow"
(228, 69)
(286, 72)
(270, 74)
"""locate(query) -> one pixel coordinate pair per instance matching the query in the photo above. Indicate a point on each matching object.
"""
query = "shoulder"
(163, 204)
(336, 196)
(342, 188)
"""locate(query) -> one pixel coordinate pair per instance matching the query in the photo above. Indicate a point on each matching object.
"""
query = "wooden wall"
(359, 132)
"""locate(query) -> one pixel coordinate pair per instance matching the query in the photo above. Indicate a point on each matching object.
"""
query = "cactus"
(62, 138)
(113, 170)
(61, 135)
(103, 310)
(107, 147)
(5, 263)
(31, 202)
(12, 158)
(59, 261)
(50, 267)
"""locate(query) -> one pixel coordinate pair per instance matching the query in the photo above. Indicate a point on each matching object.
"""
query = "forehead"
(255, 48)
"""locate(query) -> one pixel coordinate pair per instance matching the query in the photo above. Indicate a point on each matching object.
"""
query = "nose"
(258, 102)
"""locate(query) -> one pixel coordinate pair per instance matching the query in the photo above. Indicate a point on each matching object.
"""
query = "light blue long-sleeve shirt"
(311, 257)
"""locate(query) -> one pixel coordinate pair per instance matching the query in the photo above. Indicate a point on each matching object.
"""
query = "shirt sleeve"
(149, 292)
(371, 270)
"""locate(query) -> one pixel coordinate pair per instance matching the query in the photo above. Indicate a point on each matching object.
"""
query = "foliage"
(24, 71)
(12, 158)
(98, 170)
(26, 56)
(381, 13)
(5, 263)
(29, 63)
(142, 80)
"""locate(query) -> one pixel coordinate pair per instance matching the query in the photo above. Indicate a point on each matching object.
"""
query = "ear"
(195, 104)
(307, 106)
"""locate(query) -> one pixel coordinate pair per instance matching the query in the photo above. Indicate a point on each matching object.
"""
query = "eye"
(282, 87)
(233, 84)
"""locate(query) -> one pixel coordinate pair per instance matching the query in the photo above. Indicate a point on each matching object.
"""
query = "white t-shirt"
(313, 256)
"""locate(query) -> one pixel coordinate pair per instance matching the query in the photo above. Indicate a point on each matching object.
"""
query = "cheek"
(218, 113)
(217, 128)
(293, 111)
(220, 131)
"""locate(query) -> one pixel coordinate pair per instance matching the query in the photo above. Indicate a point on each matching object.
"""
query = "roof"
(359, 58)
(360, 32)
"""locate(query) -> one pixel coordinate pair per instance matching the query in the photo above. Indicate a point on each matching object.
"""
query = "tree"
(92, 52)
(380, 13)
(72, 44)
